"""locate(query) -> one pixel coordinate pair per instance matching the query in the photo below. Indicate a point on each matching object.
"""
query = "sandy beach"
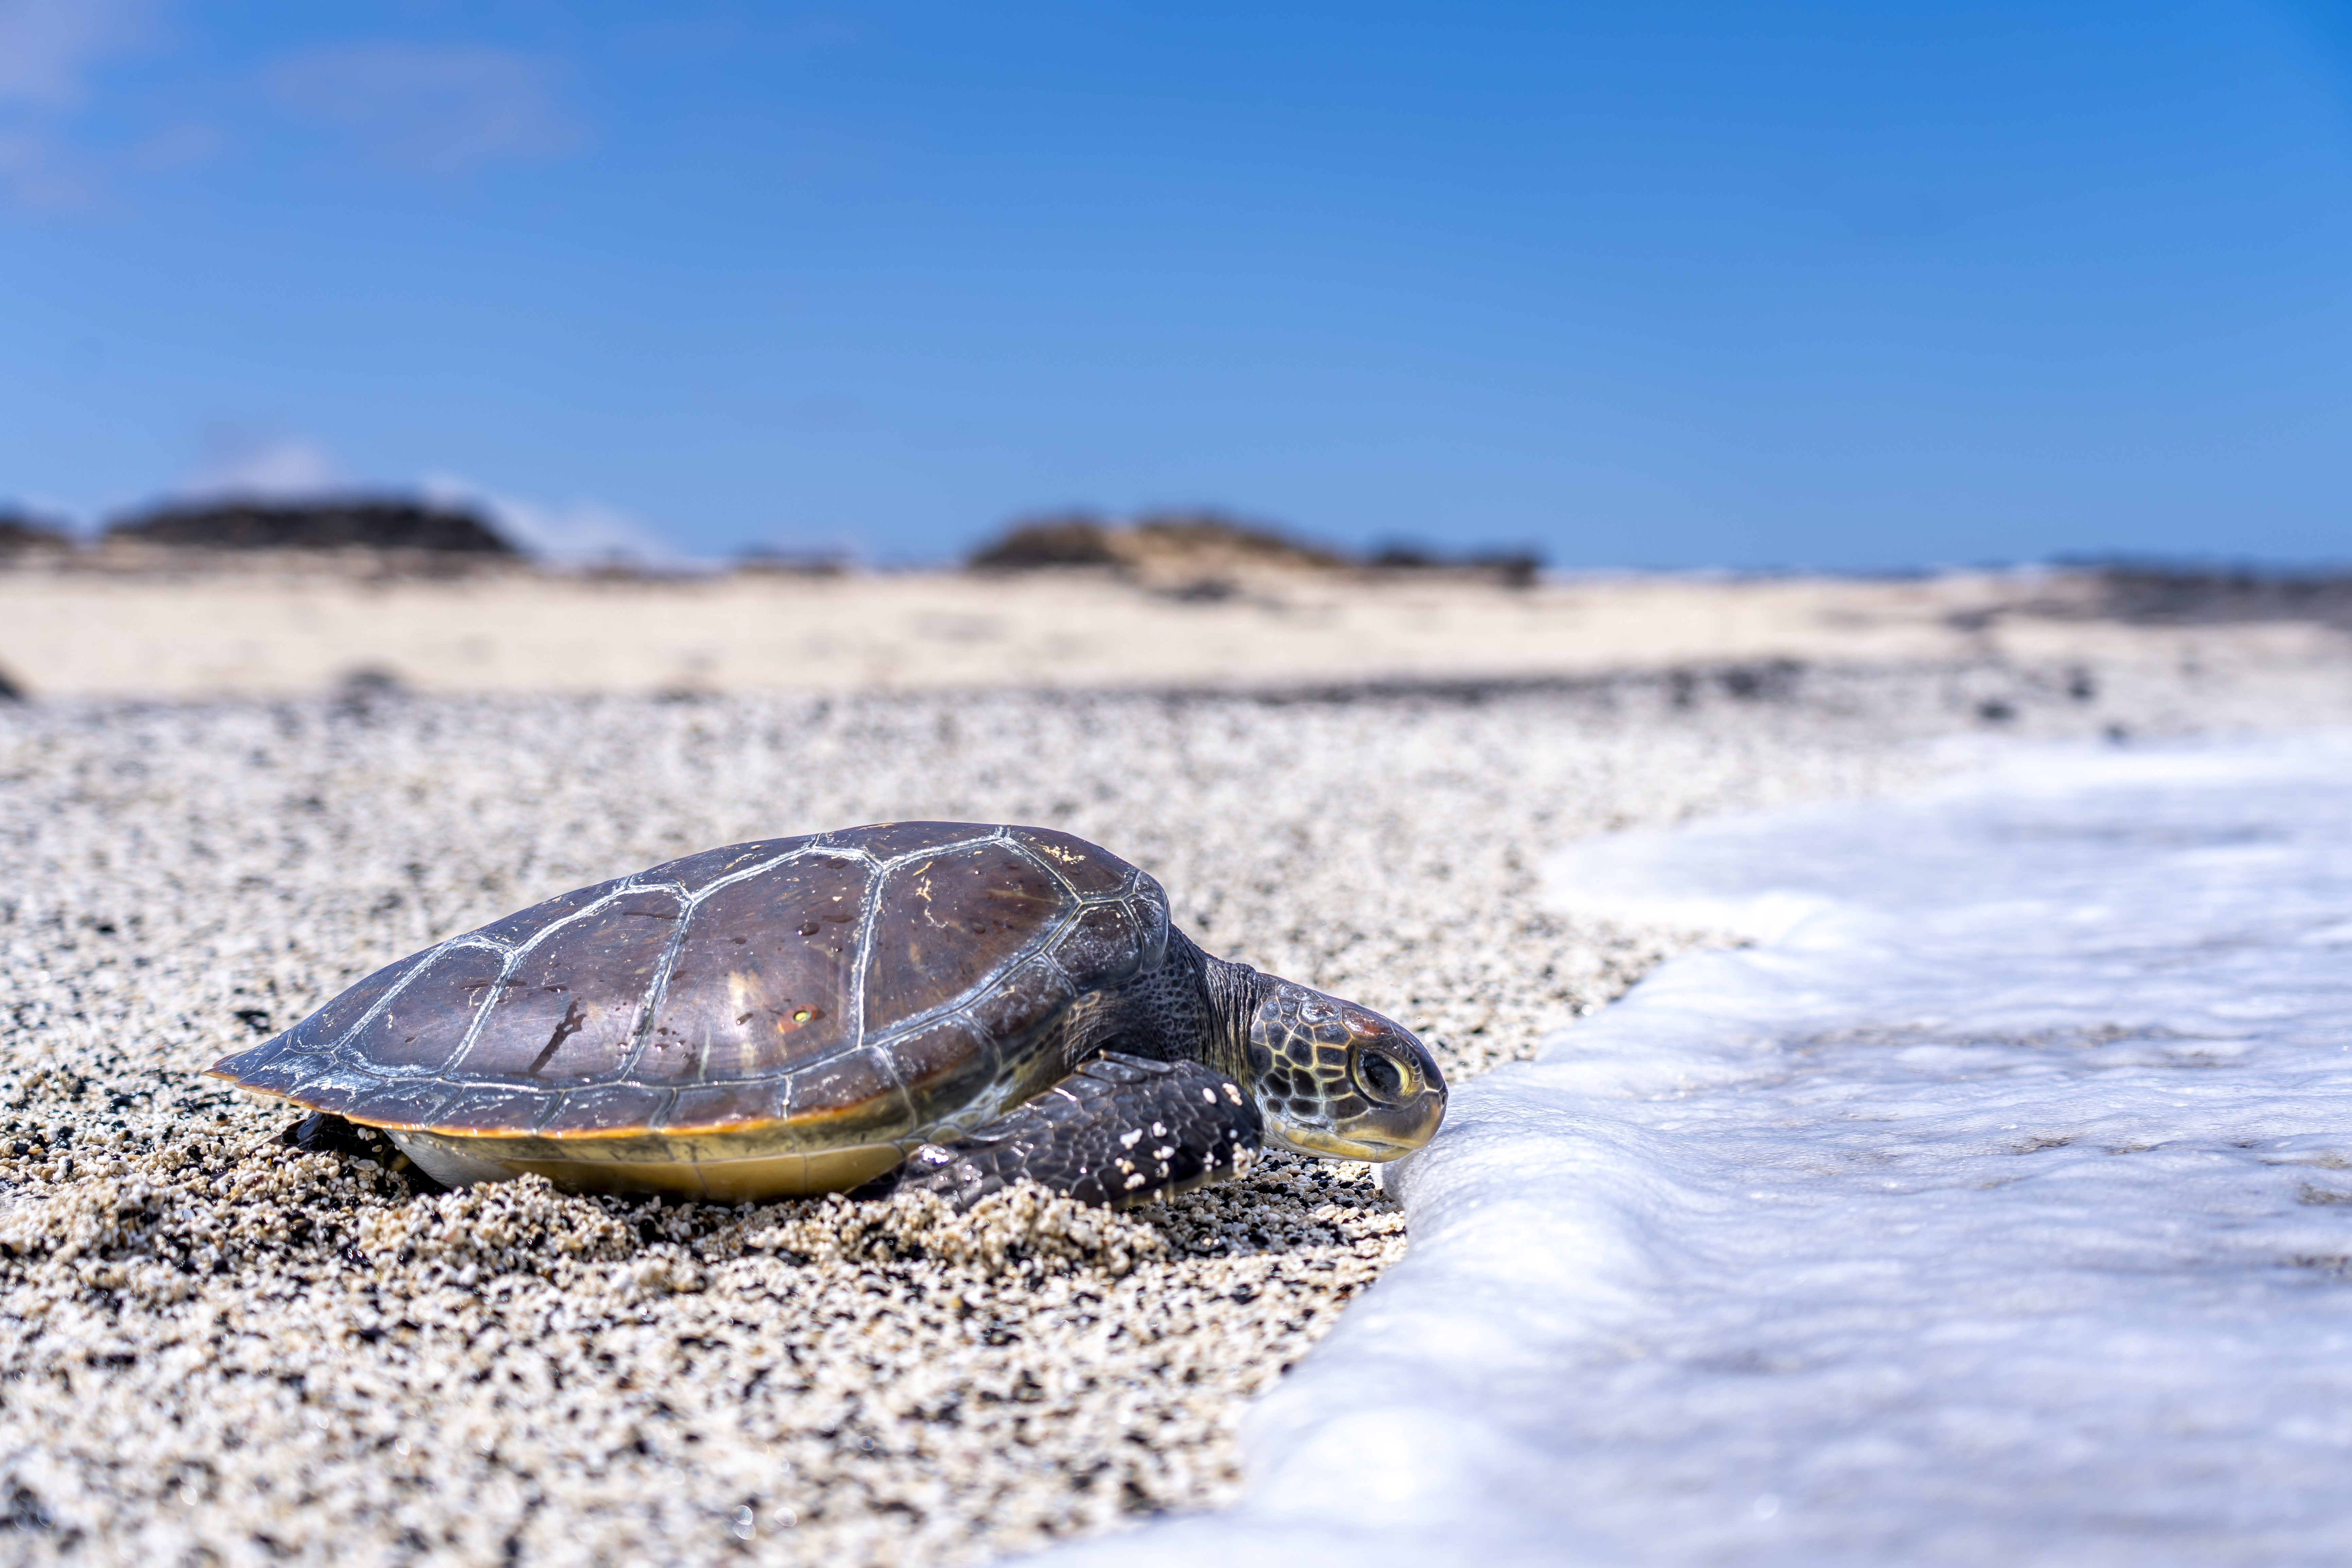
(216, 1348)
(296, 625)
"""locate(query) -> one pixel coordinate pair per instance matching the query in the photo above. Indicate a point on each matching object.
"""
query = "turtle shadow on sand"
(1281, 1204)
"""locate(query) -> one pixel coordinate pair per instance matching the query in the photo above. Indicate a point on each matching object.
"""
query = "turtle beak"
(1392, 1071)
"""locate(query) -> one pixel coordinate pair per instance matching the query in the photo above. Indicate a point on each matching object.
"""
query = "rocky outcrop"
(23, 535)
(1207, 554)
(336, 522)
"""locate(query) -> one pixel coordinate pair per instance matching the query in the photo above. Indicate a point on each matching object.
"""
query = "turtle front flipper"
(1120, 1131)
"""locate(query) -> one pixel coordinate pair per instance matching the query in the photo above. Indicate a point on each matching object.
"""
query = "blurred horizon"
(1811, 286)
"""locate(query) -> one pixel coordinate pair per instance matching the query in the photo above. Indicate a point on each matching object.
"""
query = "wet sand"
(213, 1347)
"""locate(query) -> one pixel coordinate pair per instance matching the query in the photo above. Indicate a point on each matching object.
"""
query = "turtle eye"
(1382, 1076)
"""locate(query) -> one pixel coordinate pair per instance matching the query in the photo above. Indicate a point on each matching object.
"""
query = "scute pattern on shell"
(911, 968)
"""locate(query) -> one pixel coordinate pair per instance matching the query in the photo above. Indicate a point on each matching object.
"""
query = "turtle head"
(1339, 1080)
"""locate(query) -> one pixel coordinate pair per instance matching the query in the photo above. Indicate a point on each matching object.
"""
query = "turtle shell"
(785, 1017)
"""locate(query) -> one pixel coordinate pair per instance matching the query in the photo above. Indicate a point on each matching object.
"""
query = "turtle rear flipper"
(1120, 1131)
(323, 1133)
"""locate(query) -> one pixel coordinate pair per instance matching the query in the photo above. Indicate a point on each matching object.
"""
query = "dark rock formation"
(1202, 552)
(1154, 544)
(2161, 594)
(1513, 568)
(20, 533)
(334, 522)
(1075, 539)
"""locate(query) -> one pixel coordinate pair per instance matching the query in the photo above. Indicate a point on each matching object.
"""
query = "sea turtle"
(944, 1004)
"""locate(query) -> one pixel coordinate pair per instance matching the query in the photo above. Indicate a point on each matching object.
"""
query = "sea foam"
(1994, 1206)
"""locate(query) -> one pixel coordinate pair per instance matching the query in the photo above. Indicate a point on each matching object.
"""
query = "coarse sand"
(216, 1348)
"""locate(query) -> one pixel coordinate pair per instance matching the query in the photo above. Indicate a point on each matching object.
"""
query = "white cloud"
(36, 171)
(576, 532)
(47, 47)
(246, 464)
(580, 531)
(434, 109)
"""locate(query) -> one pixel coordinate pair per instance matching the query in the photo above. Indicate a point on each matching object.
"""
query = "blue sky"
(1693, 283)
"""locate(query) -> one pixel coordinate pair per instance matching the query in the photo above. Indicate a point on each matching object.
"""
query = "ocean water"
(1994, 1206)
